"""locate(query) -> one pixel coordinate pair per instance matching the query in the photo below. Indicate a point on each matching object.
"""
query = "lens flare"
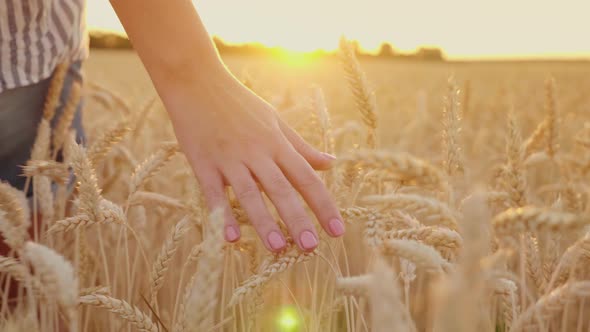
(288, 320)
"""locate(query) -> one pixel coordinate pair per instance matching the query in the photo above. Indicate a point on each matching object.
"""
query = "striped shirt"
(36, 35)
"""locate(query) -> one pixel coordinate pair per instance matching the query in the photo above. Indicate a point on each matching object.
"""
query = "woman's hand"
(231, 136)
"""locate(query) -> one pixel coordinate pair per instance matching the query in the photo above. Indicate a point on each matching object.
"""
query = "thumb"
(318, 160)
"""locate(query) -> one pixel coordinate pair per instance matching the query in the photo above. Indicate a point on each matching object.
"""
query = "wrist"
(190, 90)
(193, 79)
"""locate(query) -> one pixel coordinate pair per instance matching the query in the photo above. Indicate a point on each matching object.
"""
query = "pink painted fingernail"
(276, 240)
(308, 240)
(329, 156)
(231, 233)
(336, 227)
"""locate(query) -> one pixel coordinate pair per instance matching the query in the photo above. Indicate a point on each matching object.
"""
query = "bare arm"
(229, 135)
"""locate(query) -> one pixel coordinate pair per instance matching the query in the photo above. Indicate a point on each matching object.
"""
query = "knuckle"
(276, 148)
(213, 194)
(261, 223)
(310, 181)
(298, 219)
(247, 191)
(279, 185)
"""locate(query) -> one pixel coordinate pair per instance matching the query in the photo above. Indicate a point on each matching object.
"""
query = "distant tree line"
(107, 40)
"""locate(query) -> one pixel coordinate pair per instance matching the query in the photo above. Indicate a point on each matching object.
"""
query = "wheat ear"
(514, 179)
(453, 162)
(42, 145)
(162, 262)
(422, 255)
(54, 90)
(364, 97)
(402, 166)
(88, 190)
(103, 144)
(357, 285)
(151, 198)
(14, 216)
(552, 118)
(203, 296)
(388, 313)
(62, 128)
(20, 272)
(109, 212)
(57, 277)
(277, 265)
(445, 241)
(536, 140)
(429, 211)
(56, 171)
(533, 219)
(123, 309)
(151, 166)
(552, 303)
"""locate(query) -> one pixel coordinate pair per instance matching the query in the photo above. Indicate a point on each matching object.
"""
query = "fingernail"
(336, 227)
(276, 240)
(231, 233)
(308, 240)
(329, 156)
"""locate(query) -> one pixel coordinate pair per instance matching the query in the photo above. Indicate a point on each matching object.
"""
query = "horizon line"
(540, 57)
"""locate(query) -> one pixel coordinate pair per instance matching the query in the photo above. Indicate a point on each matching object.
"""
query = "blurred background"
(464, 29)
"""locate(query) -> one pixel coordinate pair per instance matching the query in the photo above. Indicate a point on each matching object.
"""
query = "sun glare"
(294, 58)
(288, 320)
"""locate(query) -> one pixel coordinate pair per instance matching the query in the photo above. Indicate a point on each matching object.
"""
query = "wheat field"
(464, 186)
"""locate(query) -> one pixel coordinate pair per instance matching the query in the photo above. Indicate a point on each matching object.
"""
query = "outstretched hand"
(231, 136)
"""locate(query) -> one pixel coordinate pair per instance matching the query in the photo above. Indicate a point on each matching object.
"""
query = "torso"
(36, 35)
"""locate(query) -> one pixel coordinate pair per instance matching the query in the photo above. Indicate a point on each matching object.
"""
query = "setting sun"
(502, 28)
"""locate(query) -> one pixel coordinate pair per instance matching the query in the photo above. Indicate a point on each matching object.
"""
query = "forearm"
(171, 41)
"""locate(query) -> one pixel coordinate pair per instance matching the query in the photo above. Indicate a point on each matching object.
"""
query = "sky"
(462, 28)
